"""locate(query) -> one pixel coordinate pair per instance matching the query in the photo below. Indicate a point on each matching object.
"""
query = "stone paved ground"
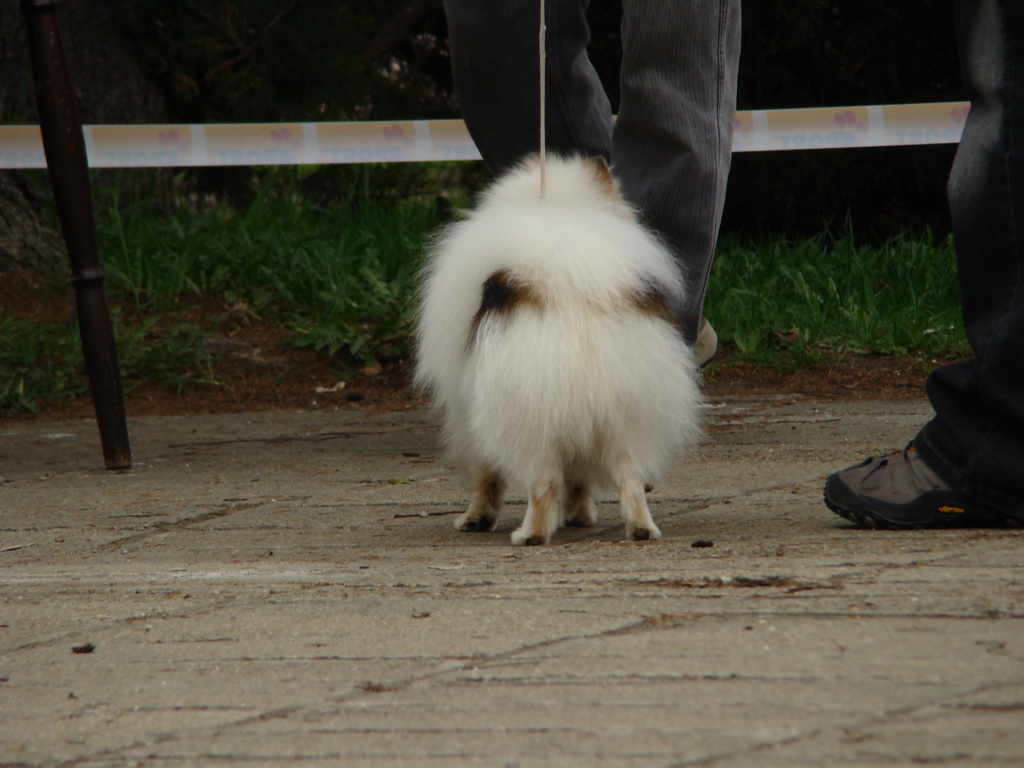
(286, 588)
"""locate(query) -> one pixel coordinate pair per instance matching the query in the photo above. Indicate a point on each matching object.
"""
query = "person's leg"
(967, 463)
(976, 440)
(494, 50)
(672, 141)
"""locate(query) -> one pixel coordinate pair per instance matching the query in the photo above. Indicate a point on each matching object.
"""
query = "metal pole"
(68, 169)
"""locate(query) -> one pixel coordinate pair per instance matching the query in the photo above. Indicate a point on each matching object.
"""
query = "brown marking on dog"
(603, 176)
(651, 301)
(502, 295)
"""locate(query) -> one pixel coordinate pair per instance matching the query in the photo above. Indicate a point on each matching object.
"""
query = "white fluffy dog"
(546, 340)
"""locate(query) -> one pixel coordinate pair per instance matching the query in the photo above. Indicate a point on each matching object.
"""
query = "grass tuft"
(781, 302)
(38, 363)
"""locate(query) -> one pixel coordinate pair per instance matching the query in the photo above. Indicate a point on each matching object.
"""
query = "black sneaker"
(901, 491)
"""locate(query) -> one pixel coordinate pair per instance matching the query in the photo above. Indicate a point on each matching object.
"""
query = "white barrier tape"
(891, 125)
(142, 146)
(155, 146)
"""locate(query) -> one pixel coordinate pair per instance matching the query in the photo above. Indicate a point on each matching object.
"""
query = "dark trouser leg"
(494, 49)
(976, 440)
(672, 143)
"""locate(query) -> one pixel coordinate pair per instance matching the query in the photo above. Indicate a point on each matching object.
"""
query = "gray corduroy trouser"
(671, 144)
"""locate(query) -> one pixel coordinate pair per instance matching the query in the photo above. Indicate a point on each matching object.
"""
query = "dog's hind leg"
(580, 510)
(485, 503)
(542, 513)
(633, 503)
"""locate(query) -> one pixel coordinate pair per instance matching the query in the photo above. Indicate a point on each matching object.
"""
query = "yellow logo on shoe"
(953, 510)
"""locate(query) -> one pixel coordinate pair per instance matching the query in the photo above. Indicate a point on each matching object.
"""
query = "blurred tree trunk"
(111, 88)
(25, 242)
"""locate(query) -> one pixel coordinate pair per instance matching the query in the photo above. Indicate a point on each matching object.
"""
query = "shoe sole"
(866, 517)
(947, 511)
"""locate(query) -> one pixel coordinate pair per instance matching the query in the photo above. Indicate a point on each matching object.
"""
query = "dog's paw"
(474, 523)
(522, 537)
(643, 532)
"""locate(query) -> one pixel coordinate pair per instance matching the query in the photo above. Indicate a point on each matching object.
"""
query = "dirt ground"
(255, 367)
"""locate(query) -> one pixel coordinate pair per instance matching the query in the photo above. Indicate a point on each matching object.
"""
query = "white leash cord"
(542, 46)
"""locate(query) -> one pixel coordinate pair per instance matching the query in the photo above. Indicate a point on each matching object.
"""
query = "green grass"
(341, 277)
(42, 362)
(783, 302)
(38, 363)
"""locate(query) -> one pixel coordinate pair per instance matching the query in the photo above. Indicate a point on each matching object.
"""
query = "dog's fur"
(546, 339)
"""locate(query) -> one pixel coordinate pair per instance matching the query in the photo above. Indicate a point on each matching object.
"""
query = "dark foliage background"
(815, 53)
(267, 60)
(806, 53)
